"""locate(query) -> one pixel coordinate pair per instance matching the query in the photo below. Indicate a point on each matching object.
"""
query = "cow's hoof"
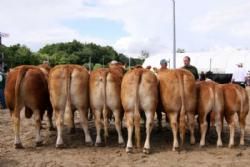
(176, 149)
(202, 146)
(39, 144)
(129, 150)
(230, 146)
(60, 146)
(52, 129)
(192, 142)
(122, 145)
(19, 146)
(146, 150)
(99, 144)
(89, 144)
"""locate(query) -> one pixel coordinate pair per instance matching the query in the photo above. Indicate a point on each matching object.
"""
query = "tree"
(144, 54)
(73, 52)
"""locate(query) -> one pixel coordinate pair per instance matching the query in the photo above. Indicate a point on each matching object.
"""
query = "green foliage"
(65, 53)
(19, 54)
(97, 65)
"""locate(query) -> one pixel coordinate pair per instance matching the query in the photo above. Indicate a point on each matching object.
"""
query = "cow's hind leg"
(242, 121)
(219, 125)
(149, 127)
(137, 123)
(37, 120)
(84, 123)
(118, 126)
(130, 125)
(191, 122)
(203, 126)
(174, 126)
(98, 126)
(231, 122)
(106, 124)
(59, 125)
(16, 127)
(50, 121)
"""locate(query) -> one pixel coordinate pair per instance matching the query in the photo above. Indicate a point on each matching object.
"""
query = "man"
(2, 85)
(164, 64)
(189, 67)
(239, 75)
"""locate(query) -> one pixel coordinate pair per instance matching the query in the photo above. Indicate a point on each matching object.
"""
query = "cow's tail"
(105, 109)
(243, 101)
(68, 111)
(215, 104)
(139, 74)
(136, 113)
(18, 98)
(137, 99)
(105, 114)
(182, 121)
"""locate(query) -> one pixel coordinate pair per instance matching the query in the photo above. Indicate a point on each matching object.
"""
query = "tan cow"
(27, 87)
(236, 102)
(105, 90)
(139, 93)
(68, 87)
(210, 99)
(178, 95)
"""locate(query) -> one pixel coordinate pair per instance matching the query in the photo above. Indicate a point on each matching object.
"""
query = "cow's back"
(148, 92)
(234, 97)
(33, 88)
(128, 88)
(97, 86)
(113, 87)
(172, 82)
(69, 80)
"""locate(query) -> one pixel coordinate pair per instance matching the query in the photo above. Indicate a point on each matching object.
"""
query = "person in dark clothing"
(190, 68)
(202, 76)
(2, 85)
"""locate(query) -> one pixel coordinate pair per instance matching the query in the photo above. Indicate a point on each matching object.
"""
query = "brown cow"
(178, 95)
(27, 87)
(68, 87)
(210, 99)
(139, 92)
(105, 90)
(236, 101)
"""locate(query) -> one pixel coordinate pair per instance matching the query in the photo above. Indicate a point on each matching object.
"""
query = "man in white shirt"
(239, 75)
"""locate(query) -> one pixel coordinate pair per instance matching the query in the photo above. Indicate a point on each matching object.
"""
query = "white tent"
(220, 60)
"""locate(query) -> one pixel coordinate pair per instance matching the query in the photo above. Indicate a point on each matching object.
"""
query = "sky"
(129, 26)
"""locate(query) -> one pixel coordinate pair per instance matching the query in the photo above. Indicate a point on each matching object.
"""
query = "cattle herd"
(110, 92)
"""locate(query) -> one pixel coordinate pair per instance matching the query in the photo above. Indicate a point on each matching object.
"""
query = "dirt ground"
(77, 154)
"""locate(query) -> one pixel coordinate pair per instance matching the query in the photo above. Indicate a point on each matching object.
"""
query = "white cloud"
(224, 18)
(148, 24)
(38, 22)
(41, 21)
